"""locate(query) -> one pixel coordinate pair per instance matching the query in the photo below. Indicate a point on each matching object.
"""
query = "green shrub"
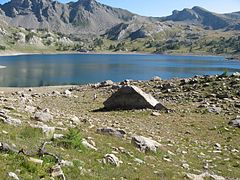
(72, 140)
(2, 47)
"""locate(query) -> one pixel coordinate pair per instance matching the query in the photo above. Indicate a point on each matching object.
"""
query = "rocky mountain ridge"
(205, 18)
(92, 17)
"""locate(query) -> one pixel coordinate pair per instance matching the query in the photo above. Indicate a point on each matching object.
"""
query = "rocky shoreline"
(65, 132)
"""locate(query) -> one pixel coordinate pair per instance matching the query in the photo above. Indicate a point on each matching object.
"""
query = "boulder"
(30, 109)
(48, 131)
(132, 97)
(66, 163)
(214, 109)
(12, 121)
(43, 116)
(236, 74)
(58, 136)
(67, 93)
(111, 131)
(235, 122)
(56, 171)
(75, 120)
(106, 83)
(86, 144)
(204, 176)
(12, 175)
(156, 78)
(112, 159)
(34, 160)
(145, 144)
(6, 148)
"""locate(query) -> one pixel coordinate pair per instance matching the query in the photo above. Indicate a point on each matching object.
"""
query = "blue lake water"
(42, 70)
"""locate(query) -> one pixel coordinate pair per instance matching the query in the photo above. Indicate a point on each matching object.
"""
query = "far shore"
(16, 53)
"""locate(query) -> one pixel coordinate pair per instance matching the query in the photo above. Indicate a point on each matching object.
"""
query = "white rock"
(30, 109)
(38, 161)
(156, 78)
(67, 92)
(57, 172)
(112, 159)
(139, 161)
(13, 175)
(155, 114)
(185, 166)
(236, 74)
(48, 131)
(43, 116)
(12, 121)
(75, 120)
(66, 163)
(203, 176)
(58, 136)
(56, 93)
(88, 145)
(145, 144)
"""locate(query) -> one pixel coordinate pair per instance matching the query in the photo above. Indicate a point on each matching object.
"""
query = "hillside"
(86, 25)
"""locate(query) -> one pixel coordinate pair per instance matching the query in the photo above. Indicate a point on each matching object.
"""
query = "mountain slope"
(200, 16)
(139, 27)
(83, 16)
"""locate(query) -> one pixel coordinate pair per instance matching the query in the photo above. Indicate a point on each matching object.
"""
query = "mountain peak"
(86, 2)
(198, 8)
(88, 5)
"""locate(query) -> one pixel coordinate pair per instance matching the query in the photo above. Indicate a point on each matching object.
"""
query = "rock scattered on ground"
(37, 161)
(12, 121)
(235, 122)
(13, 176)
(43, 116)
(106, 83)
(203, 176)
(112, 159)
(112, 131)
(88, 145)
(145, 144)
(57, 172)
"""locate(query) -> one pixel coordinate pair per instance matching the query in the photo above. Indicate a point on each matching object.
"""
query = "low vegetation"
(195, 136)
(191, 40)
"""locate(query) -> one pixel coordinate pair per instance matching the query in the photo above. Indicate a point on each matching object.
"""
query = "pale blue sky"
(165, 7)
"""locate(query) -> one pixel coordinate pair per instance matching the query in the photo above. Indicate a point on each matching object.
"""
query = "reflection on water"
(40, 70)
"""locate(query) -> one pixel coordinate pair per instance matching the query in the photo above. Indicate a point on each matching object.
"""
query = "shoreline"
(16, 53)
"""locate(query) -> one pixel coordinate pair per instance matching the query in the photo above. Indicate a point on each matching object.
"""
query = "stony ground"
(195, 136)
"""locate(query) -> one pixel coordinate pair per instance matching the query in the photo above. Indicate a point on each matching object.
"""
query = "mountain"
(138, 27)
(91, 17)
(234, 15)
(83, 16)
(205, 18)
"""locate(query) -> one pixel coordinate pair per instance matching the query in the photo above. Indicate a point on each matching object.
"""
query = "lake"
(42, 70)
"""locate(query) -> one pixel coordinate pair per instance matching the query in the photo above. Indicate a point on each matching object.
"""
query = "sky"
(165, 7)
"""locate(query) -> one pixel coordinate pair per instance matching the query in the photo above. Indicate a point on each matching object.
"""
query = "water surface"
(40, 70)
